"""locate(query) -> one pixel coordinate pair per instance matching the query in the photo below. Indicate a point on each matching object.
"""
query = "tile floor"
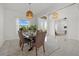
(54, 47)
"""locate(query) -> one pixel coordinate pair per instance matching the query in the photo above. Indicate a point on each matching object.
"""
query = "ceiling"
(37, 8)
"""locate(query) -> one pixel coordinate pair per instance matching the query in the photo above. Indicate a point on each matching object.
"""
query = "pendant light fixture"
(55, 15)
(29, 13)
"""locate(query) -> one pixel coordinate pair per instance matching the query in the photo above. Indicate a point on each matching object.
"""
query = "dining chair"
(39, 41)
(22, 40)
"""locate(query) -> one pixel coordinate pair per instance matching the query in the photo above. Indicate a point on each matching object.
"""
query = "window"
(42, 24)
(21, 22)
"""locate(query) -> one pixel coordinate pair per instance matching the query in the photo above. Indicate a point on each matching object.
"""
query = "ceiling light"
(29, 13)
(55, 15)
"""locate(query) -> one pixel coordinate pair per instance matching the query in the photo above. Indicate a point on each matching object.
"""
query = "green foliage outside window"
(31, 27)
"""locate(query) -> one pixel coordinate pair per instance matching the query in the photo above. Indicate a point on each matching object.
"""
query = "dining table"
(30, 35)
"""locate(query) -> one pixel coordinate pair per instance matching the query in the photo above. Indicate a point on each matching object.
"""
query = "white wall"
(72, 20)
(77, 21)
(10, 24)
(1, 24)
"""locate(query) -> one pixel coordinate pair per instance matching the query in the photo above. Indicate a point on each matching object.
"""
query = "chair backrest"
(40, 38)
(21, 36)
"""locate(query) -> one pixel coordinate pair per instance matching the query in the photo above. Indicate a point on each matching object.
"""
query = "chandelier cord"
(29, 6)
